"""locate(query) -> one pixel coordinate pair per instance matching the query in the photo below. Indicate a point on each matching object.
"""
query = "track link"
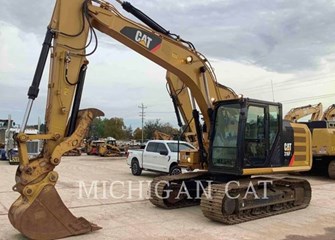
(294, 194)
(161, 185)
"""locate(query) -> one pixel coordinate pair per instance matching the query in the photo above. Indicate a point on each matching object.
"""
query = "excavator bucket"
(39, 213)
(47, 217)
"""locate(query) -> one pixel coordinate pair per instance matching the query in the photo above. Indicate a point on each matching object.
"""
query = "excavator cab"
(248, 134)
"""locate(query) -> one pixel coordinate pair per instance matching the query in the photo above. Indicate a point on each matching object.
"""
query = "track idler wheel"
(47, 217)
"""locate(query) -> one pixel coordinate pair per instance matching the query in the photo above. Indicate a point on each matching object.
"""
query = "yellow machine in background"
(243, 137)
(323, 143)
(322, 127)
(110, 149)
(104, 148)
(323, 147)
(329, 114)
(299, 112)
(162, 136)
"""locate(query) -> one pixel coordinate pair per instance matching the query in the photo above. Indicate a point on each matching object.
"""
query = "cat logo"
(148, 40)
(143, 39)
(287, 149)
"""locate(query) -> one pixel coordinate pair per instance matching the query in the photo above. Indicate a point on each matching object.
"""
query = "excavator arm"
(329, 114)
(39, 212)
(185, 103)
(162, 136)
(299, 112)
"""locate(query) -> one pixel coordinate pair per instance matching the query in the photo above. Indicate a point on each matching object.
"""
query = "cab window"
(224, 150)
(152, 146)
(161, 148)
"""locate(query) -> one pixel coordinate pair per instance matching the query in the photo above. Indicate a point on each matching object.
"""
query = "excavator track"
(161, 185)
(284, 195)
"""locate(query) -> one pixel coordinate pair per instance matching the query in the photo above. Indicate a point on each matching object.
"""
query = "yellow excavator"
(245, 136)
(322, 127)
(299, 112)
(323, 142)
(329, 113)
(158, 135)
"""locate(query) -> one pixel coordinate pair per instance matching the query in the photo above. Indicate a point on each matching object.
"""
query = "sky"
(281, 50)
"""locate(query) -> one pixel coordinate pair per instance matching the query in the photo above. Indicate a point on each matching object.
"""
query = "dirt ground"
(130, 215)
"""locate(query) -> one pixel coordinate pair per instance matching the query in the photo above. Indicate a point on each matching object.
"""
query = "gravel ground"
(130, 215)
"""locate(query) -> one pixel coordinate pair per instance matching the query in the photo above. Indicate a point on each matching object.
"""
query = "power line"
(291, 82)
(308, 98)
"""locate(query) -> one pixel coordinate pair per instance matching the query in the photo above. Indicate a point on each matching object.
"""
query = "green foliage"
(115, 127)
(96, 128)
(151, 126)
(137, 134)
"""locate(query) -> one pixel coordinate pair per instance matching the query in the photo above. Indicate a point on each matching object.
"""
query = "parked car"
(158, 155)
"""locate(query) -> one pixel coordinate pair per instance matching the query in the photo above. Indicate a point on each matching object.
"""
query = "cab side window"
(255, 136)
(274, 124)
(161, 148)
(152, 146)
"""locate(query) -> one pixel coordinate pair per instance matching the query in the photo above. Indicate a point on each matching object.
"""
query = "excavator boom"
(299, 112)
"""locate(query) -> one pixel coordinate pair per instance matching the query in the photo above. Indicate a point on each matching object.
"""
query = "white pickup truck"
(158, 155)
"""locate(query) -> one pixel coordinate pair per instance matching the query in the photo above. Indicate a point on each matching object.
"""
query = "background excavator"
(322, 127)
(299, 112)
(162, 136)
(329, 113)
(245, 136)
(323, 142)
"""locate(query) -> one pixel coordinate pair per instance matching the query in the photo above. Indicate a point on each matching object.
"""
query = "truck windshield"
(224, 151)
(182, 146)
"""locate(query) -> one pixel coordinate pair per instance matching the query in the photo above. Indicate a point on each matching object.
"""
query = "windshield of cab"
(224, 151)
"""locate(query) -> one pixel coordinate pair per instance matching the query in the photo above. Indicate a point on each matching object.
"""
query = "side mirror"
(165, 153)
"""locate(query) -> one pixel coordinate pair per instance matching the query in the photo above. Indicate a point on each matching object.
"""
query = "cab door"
(262, 142)
(150, 155)
(162, 159)
(255, 143)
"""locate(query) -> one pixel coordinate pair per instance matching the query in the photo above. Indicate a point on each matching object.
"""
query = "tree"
(137, 135)
(168, 129)
(114, 127)
(103, 127)
(96, 129)
(151, 126)
(128, 133)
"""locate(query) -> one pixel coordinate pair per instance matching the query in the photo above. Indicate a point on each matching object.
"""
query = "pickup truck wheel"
(175, 170)
(135, 168)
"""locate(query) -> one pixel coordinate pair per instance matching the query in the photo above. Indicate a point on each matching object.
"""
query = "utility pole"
(142, 115)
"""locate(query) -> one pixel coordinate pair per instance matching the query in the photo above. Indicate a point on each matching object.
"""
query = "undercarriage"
(232, 201)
